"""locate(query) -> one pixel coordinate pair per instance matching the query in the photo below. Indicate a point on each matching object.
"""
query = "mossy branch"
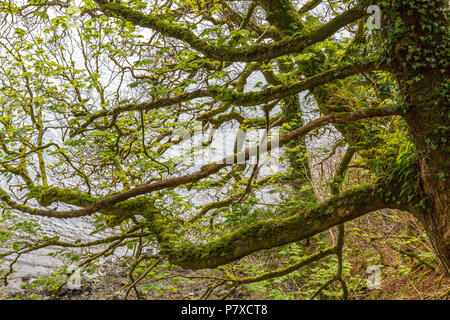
(257, 52)
(206, 171)
(268, 234)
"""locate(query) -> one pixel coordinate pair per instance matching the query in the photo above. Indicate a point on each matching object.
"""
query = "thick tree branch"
(268, 234)
(238, 98)
(309, 6)
(258, 52)
(205, 171)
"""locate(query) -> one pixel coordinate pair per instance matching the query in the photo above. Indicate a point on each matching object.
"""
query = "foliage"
(112, 115)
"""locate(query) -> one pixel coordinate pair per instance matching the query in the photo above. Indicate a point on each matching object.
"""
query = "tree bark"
(418, 50)
(423, 121)
(267, 234)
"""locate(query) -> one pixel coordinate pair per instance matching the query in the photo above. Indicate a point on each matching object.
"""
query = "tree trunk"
(416, 41)
(425, 122)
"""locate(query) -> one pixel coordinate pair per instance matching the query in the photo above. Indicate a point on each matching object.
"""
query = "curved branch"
(205, 171)
(281, 272)
(309, 6)
(258, 52)
(268, 234)
(243, 99)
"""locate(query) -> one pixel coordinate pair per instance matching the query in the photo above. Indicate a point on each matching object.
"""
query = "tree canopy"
(94, 95)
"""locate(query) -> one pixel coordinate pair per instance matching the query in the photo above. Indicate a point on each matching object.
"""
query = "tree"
(92, 93)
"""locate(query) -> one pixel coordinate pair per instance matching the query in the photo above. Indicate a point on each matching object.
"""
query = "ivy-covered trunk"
(425, 121)
(416, 34)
